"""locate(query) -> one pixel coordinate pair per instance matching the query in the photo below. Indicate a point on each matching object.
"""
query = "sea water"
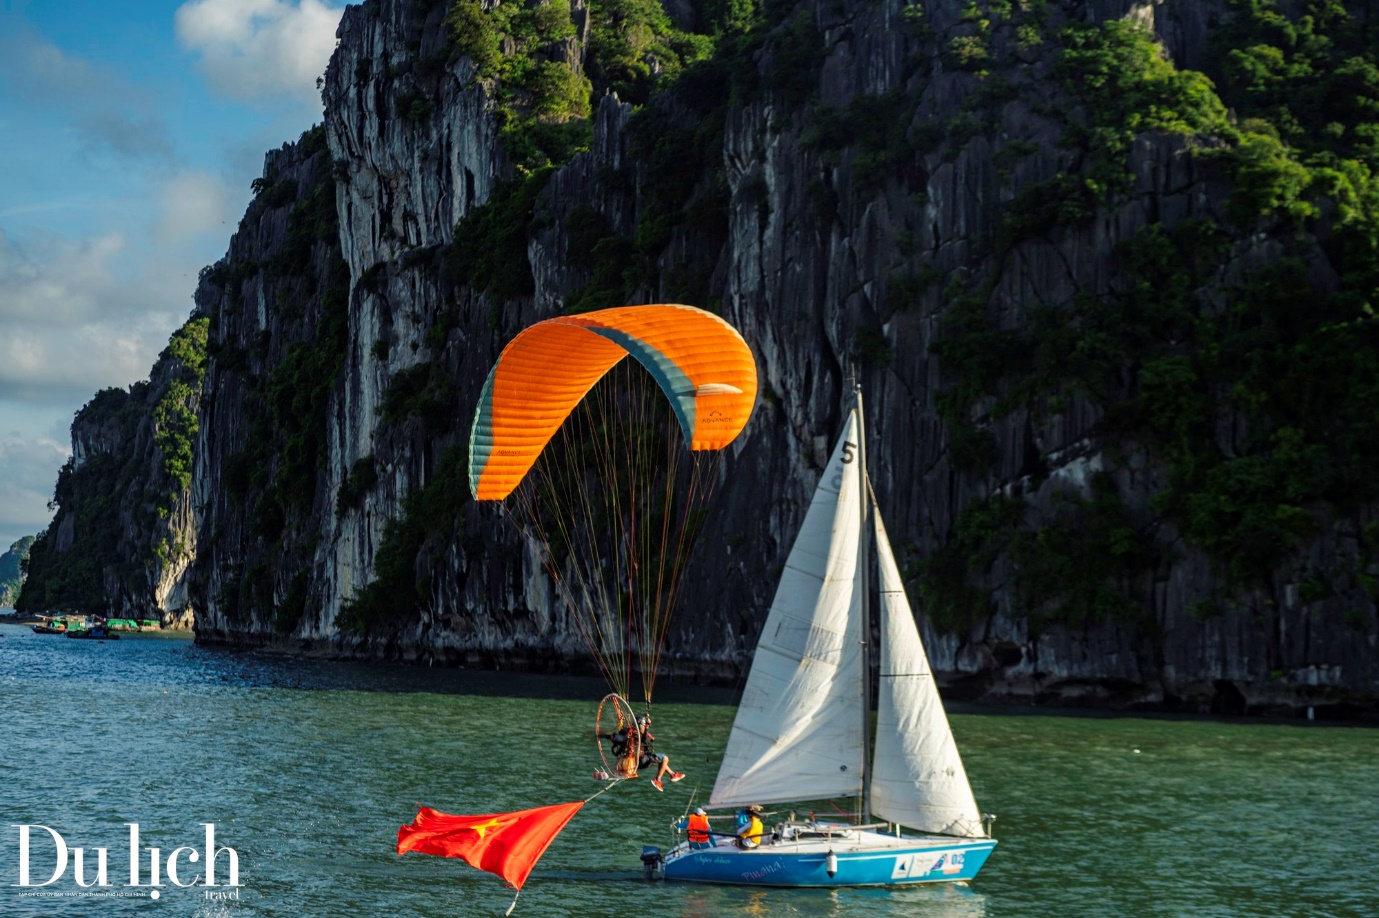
(307, 768)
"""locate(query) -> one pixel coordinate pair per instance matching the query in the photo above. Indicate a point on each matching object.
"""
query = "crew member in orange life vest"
(697, 827)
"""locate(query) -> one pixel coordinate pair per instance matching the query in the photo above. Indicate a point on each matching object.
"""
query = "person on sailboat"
(651, 757)
(749, 827)
(697, 829)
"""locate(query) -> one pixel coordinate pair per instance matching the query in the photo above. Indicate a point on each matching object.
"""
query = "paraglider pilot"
(623, 750)
(650, 757)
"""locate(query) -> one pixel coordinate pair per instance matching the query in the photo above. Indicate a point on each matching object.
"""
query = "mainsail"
(917, 777)
(798, 732)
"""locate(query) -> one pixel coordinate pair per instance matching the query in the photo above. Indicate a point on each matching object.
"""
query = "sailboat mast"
(864, 574)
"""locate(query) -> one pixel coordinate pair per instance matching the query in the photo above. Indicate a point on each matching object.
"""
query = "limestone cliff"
(124, 537)
(267, 470)
(1060, 265)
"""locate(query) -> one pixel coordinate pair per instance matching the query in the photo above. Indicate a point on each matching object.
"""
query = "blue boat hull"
(895, 861)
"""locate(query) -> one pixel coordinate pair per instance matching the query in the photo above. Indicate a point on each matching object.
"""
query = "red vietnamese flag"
(508, 844)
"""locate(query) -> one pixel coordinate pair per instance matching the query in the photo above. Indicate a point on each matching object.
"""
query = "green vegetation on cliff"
(13, 567)
(543, 95)
(174, 414)
(1194, 330)
(114, 507)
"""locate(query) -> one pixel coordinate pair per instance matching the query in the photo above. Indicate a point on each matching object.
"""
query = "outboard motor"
(651, 862)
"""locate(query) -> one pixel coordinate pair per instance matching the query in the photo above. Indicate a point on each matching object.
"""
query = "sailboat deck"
(859, 857)
(840, 838)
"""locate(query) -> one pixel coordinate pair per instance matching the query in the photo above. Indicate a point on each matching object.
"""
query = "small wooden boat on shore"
(95, 633)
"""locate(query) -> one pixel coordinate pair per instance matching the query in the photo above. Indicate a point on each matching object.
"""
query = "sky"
(130, 132)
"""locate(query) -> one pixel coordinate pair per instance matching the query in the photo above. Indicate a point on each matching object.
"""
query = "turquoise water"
(308, 768)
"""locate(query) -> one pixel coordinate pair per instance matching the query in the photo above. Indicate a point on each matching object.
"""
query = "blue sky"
(129, 134)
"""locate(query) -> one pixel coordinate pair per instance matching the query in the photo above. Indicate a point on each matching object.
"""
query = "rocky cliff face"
(124, 538)
(896, 190)
(267, 470)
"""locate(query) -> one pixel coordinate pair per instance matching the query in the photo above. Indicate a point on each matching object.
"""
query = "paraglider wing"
(700, 362)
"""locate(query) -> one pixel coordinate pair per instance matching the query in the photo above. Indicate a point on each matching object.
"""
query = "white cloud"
(37, 367)
(78, 315)
(81, 315)
(49, 369)
(55, 284)
(190, 204)
(253, 48)
(31, 465)
(40, 68)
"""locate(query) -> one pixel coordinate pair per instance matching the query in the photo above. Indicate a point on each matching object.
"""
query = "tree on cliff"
(13, 570)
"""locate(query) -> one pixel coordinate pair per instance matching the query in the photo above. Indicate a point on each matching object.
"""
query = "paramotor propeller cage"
(620, 751)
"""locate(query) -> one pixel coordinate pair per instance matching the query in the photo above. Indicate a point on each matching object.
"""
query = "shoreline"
(33, 618)
(1247, 703)
(11, 616)
(956, 688)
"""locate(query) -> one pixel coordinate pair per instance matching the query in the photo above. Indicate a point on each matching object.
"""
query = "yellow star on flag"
(483, 827)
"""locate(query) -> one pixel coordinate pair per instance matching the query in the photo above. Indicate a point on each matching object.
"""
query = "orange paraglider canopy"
(700, 362)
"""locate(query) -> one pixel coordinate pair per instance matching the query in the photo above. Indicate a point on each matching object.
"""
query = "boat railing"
(795, 831)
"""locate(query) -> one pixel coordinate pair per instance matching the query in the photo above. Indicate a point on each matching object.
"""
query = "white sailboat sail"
(801, 728)
(917, 777)
(798, 732)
